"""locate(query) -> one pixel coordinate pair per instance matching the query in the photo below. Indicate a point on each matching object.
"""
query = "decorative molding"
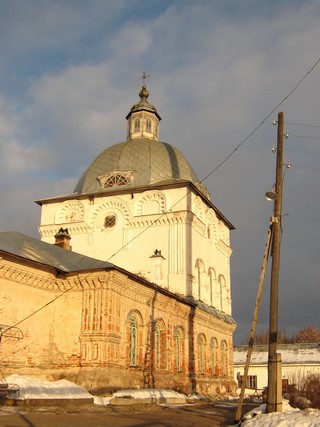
(212, 223)
(199, 208)
(182, 217)
(199, 226)
(72, 211)
(51, 230)
(49, 282)
(151, 197)
(117, 178)
(27, 277)
(224, 249)
(106, 207)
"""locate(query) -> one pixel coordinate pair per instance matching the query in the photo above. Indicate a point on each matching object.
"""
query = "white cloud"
(215, 75)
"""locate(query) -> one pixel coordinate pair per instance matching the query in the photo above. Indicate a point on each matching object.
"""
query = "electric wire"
(304, 152)
(189, 191)
(302, 136)
(302, 124)
(264, 120)
(304, 167)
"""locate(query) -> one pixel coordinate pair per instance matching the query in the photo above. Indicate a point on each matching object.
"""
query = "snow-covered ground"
(31, 388)
(289, 417)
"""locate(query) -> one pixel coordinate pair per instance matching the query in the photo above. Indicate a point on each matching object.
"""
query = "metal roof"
(299, 353)
(205, 307)
(35, 250)
(149, 162)
(31, 249)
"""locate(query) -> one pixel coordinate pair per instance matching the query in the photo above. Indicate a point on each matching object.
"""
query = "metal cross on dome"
(144, 78)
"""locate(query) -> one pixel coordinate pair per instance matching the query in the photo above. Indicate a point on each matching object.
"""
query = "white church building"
(141, 207)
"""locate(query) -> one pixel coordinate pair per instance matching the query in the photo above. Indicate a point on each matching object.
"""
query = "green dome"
(137, 162)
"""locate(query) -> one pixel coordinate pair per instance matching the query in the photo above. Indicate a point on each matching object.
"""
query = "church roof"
(34, 250)
(31, 249)
(299, 353)
(146, 160)
(141, 160)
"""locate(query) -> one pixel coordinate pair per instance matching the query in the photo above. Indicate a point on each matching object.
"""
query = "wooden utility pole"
(274, 395)
(254, 324)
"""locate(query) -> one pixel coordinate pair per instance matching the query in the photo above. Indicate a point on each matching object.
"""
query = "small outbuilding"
(298, 360)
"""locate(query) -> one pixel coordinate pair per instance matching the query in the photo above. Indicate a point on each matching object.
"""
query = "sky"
(70, 70)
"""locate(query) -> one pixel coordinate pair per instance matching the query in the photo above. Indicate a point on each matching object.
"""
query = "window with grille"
(201, 354)
(177, 337)
(110, 221)
(213, 355)
(117, 180)
(224, 357)
(133, 341)
(157, 344)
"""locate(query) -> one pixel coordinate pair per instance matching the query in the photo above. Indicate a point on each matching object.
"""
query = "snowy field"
(31, 388)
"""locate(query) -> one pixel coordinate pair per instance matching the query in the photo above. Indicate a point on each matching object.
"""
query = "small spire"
(143, 118)
(144, 94)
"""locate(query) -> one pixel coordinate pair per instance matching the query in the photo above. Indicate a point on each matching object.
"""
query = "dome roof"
(140, 161)
(137, 162)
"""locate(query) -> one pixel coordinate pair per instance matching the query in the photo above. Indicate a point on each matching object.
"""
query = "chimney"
(63, 239)
(157, 260)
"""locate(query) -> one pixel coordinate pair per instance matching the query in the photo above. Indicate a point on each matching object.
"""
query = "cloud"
(217, 70)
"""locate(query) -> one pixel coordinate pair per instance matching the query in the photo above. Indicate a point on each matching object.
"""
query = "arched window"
(148, 125)
(224, 357)
(160, 345)
(157, 345)
(133, 341)
(213, 354)
(199, 271)
(222, 285)
(137, 125)
(212, 278)
(178, 349)
(117, 180)
(201, 354)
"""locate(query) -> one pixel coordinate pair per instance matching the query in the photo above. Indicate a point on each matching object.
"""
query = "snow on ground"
(149, 393)
(289, 417)
(32, 388)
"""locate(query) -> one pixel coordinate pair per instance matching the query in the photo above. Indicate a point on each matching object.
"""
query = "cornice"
(179, 217)
(51, 230)
(224, 248)
(27, 277)
(207, 319)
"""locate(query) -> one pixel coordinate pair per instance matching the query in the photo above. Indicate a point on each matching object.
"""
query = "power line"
(264, 120)
(304, 152)
(302, 136)
(189, 191)
(302, 124)
(305, 167)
